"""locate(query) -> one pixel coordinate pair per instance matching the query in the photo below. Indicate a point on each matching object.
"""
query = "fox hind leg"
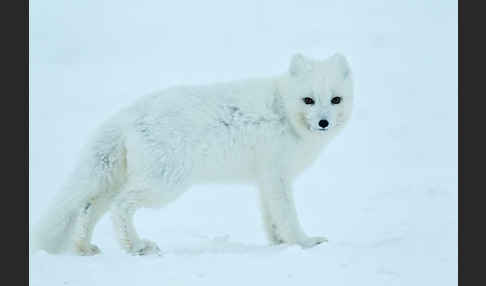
(89, 215)
(122, 214)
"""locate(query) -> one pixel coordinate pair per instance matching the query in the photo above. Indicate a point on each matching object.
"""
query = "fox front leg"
(279, 214)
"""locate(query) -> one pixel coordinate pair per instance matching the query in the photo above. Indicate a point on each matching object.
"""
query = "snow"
(384, 192)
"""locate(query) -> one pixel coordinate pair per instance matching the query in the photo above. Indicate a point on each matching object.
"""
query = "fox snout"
(323, 123)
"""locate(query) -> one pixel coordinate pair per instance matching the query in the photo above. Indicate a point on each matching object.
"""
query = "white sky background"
(89, 58)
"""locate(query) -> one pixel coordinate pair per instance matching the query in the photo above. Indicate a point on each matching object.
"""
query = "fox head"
(317, 95)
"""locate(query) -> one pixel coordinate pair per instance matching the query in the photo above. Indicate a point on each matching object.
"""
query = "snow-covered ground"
(384, 192)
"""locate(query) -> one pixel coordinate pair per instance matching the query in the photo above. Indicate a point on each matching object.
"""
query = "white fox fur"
(257, 131)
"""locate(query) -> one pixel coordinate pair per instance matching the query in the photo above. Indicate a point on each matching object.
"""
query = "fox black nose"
(323, 123)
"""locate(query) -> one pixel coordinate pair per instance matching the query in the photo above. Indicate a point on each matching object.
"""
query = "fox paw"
(87, 250)
(145, 247)
(312, 241)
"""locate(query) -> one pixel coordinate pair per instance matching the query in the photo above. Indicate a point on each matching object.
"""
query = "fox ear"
(341, 64)
(298, 65)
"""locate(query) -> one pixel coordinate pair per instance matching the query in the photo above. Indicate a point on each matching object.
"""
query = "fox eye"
(336, 100)
(308, 100)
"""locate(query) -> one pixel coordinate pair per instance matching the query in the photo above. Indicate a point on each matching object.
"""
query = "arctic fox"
(258, 131)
